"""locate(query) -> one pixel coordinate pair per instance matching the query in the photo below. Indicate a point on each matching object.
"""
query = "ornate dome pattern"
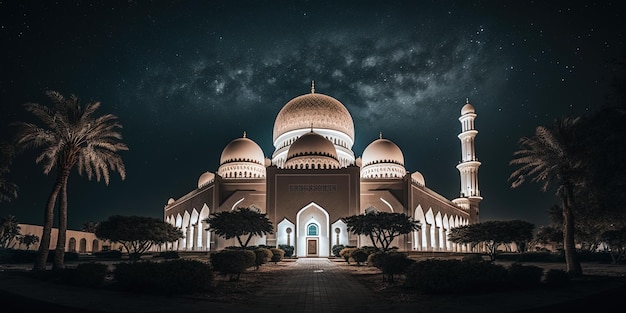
(315, 109)
(312, 144)
(382, 151)
(312, 151)
(242, 150)
(205, 179)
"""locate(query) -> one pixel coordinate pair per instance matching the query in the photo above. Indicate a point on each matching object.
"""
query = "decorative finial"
(467, 100)
(244, 134)
(380, 136)
(311, 126)
(312, 86)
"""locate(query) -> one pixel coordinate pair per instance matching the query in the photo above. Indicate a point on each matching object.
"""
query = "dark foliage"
(557, 278)
(12, 256)
(232, 262)
(110, 254)
(288, 250)
(170, 277)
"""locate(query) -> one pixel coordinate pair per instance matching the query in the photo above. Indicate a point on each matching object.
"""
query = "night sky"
(186, 78)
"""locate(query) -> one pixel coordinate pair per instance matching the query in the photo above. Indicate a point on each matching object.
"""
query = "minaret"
(468, 167)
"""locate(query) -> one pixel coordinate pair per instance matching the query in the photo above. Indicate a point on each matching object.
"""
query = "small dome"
(205, 178)
(382, 151)
(418, 178)
(170, 201)
(312, 144)
(321, 110)
(242, 150)
(467, 108)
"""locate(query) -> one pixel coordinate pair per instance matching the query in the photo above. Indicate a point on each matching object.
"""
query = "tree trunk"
(59, 253)
(44, 245)
(569, 245)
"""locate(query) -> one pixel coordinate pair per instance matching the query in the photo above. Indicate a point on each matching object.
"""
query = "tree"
(550, 234)
(493, 234)
(616, 242)
(9, 229)
(8, 190)
(381, 227)
(137, 234)
(70, 136)
(28, 240)
(89, 227)
(550, 157)
(238, 223)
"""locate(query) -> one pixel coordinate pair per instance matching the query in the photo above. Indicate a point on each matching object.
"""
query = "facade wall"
(76, 241)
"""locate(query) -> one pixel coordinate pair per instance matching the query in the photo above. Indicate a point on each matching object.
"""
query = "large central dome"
(314, 110)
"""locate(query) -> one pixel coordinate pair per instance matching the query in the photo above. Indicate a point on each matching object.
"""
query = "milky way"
(185, 78)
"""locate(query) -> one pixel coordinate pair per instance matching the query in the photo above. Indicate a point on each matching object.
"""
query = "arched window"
(312, 230)
(72, 245)
(82, 248)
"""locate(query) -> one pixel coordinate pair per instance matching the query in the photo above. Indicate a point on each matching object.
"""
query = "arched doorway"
(312, 232)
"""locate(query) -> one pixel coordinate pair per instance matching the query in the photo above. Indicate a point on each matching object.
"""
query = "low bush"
(67, 256)
(88, 274)
(288, 250)
(359, 256)
(336, 249)
(557, 278)
(170, 277)
(170, 254)
(524, 276)
(532, 257)
(16, 256)
(232, 262)
(109, 254)
(277, 254)
(262, 256)
(454, 276)
(346, 253)
(390, 263)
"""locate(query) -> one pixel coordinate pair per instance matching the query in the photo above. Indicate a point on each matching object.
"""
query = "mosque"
(314, 179)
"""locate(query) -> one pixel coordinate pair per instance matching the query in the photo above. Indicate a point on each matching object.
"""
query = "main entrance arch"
(312, 232)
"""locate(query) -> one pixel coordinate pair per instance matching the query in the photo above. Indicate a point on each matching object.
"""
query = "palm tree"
(8, 190)
(69, 136)
(550, 157)
(9, 230)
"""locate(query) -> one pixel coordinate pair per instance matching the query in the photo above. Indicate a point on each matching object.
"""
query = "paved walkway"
(308, 286)
(316, 286)
(304, 286)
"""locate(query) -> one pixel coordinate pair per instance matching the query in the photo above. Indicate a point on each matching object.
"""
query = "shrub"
(524, 275)
(232, 262)
(110, 254)
(170, 277)
(277, 254)
(390, 263)
(359, 256)
(532, 257)
(446, 276)
(67, 256)
(88, 274)
(346, 253)
(11, 256)
(375, 259)
(393, 263)
(170, 254)
(262, 256)
(336, 249)
(288, 250)
(473, 258)
(557, 278)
